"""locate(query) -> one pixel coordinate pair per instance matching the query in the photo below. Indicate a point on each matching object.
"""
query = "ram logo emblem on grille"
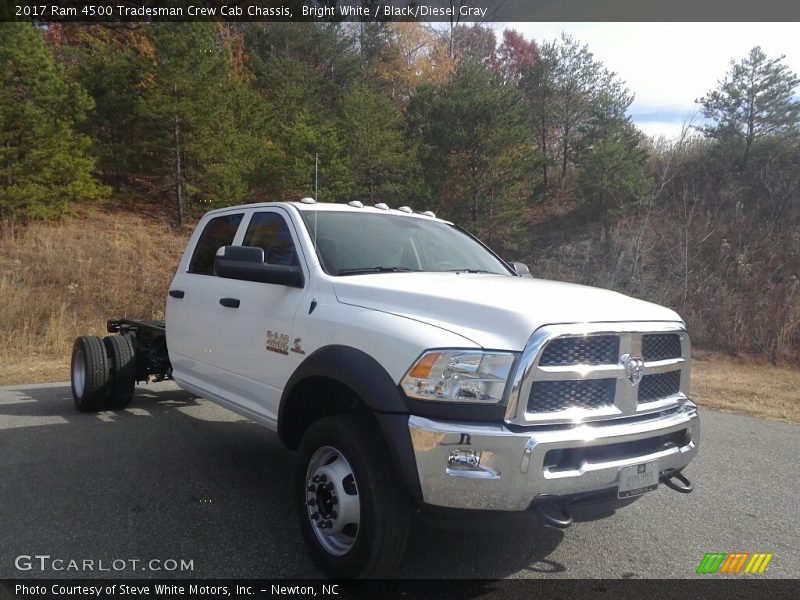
(634, 368)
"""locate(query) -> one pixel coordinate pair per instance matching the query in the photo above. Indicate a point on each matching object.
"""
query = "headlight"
(459, 376)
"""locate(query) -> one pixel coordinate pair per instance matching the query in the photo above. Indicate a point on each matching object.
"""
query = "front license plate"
(638, 479)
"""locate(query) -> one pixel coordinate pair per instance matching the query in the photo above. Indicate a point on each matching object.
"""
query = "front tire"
(354, 514)
(89, 374)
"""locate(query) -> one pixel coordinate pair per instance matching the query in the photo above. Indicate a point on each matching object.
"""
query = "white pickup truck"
(411, 368)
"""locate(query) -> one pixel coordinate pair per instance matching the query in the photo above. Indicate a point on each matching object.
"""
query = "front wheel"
(353, 512)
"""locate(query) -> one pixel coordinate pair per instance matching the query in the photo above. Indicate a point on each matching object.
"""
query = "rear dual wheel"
(90, 375)
(103, 372)
(122, 372)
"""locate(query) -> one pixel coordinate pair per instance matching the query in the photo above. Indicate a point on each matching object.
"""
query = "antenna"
(316, 198)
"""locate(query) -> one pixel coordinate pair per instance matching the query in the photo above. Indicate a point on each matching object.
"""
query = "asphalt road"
(175, 477)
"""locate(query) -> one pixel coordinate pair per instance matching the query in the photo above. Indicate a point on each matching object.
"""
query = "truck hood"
(494, 311)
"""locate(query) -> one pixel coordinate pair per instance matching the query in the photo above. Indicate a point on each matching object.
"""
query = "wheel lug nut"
(315, 479)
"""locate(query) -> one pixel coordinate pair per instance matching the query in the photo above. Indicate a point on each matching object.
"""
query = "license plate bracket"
(636, 480)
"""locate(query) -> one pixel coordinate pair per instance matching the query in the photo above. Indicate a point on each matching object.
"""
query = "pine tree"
(578, 79)
(113, 69)
(45, 165)
(611, 175)
(300, 122)
(379, 155)
(472, 146)
(755, 100)
(203, 117)
(538, 86)
(572, 99)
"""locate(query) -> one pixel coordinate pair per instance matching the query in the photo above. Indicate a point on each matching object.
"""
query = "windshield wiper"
(467, 271)
(362, 270)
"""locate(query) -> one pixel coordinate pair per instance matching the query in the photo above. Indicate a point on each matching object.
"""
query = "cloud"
(669, 130)
(669, 65)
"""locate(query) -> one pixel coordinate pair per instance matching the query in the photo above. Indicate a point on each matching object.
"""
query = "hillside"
(59, 280)
(527, 145)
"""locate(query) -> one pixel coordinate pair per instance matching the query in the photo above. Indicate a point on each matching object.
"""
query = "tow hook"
(554, 513)
(682, 485)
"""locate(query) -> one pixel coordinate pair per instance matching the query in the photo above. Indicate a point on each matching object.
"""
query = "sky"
(669, 65)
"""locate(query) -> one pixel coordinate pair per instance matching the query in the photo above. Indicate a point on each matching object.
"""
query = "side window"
(218, 232)
(268, 230)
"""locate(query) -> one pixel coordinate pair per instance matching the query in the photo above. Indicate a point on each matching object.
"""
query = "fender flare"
(375, 387)
(353, 368)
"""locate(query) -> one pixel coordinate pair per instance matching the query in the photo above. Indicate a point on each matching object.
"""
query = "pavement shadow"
(176, 477)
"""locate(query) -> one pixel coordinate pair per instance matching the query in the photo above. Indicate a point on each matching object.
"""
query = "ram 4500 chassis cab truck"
(410, 367)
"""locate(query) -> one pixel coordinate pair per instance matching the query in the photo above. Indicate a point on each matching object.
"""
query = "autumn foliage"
(527, 144)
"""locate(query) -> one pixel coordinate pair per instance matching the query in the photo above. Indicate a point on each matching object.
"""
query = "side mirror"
(247, 263)
(521, 269)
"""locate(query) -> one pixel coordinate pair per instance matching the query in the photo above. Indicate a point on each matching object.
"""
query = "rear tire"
(90, 374)
(122, 358)
(361, 503)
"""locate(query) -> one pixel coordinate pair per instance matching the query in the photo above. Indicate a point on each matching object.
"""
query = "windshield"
(352, 244)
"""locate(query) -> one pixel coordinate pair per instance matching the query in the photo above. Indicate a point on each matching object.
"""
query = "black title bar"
(456, 11)
(750, 588)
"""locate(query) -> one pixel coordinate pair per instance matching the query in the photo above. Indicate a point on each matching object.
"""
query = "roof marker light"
(405, 209)
(382, 206)
(355, 204)
(429, 213)
(308, 200)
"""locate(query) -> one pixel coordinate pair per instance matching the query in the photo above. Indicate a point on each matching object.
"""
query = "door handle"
(229, 302)
(176, 293)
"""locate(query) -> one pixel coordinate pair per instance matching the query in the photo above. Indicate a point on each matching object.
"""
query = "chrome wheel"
(332, 501)
(79, 373)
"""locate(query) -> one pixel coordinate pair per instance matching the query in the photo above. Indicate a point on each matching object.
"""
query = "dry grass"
(61, 280)
(746, 385)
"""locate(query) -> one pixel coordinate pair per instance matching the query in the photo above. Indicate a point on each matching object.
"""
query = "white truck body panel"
(222, 352)
(494, 311)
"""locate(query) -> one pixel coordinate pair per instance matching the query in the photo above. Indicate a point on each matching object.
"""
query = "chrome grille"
(661, 346)
(587, 394)
(585, 372)
(583, 350)
(659, 386)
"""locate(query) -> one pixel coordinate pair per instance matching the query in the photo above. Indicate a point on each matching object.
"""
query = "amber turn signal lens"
(424, 365)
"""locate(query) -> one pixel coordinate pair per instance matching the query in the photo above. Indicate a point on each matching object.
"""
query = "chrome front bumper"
(490, 467)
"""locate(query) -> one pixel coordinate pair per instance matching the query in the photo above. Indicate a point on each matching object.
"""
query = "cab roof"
(327, 207)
